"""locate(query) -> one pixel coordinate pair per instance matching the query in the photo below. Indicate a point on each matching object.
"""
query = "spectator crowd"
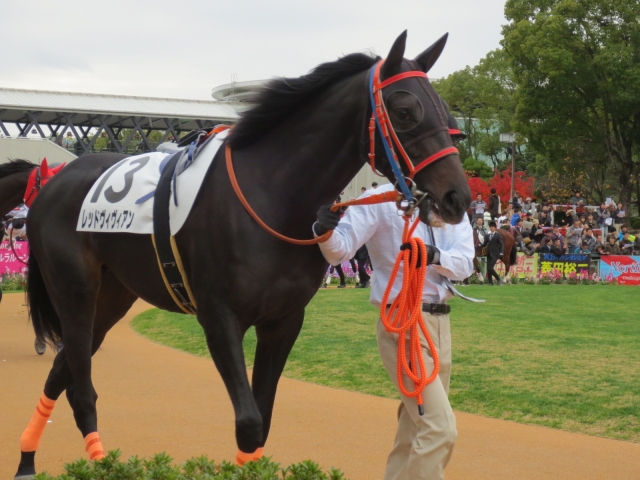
(15, 222)
(543, 227)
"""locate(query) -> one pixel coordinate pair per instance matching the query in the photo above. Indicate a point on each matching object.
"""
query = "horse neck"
(308, 159)
(12, 189)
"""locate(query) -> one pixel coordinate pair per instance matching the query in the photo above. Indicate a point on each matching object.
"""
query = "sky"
(182, 49)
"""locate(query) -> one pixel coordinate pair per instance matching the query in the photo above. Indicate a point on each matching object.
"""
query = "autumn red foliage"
(502, 183)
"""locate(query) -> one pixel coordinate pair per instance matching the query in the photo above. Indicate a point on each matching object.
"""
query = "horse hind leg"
(113, 302)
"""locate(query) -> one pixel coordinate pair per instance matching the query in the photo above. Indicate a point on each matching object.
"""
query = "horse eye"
(403, 114)
(405, 110)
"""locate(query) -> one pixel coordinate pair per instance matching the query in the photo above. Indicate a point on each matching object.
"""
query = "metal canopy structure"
(88, 116)
(244, 92)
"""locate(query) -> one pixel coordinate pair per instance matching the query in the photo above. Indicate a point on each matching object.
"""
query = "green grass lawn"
(561, 356)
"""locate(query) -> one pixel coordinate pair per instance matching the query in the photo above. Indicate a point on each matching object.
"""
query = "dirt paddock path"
(154, 399)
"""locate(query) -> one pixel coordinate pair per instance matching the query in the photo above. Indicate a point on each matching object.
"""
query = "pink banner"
(8, 261)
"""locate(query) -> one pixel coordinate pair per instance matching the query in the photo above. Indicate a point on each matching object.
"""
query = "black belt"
(436, 308)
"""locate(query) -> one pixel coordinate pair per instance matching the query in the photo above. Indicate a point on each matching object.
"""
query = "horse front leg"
(224, 338)
(275, 341)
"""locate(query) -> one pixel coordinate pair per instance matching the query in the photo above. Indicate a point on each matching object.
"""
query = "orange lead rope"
(404, 316)
(392, 196)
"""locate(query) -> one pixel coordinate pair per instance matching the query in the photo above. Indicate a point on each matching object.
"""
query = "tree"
(483, 96)
(577, 68)
(460, 91)
(476, 168)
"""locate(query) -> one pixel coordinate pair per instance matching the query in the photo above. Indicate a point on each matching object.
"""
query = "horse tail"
(46, 322)
(513, 255)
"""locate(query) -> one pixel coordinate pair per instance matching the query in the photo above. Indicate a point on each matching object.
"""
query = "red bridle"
(38, 177)
(388, 133)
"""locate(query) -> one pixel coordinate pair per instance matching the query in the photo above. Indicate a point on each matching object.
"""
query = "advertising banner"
(624, 269)
(525, 266)
(566, 264)
(8, 261)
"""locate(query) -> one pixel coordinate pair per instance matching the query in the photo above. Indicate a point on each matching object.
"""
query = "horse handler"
(423, 443)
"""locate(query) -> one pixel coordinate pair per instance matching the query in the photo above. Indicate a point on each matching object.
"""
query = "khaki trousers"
(423, 444)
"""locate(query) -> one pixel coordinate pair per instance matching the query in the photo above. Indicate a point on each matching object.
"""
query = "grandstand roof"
(88, 105)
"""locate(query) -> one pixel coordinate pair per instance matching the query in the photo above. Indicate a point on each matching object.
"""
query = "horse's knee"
(249, 432)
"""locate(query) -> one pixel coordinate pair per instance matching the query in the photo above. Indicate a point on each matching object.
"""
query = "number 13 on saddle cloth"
(119, 200)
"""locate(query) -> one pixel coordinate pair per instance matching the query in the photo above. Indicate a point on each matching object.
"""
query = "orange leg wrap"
(94, 446)
(30, 439)
(243, 458)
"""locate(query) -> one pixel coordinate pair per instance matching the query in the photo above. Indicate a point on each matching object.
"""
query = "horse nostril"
(454, 201)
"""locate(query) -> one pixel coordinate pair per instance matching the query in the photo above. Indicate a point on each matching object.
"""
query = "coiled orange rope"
(404, 316)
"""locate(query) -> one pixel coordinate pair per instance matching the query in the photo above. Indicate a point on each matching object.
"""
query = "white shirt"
(380, 227)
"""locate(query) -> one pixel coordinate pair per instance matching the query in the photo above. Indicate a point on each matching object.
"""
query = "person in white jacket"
(423, 443)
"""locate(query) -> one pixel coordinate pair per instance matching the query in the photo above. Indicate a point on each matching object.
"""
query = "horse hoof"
(40, 347)
(26, 469)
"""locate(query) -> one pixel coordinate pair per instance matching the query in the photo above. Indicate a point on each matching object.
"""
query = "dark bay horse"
(296, 150)
(510, 254)
(14, 176)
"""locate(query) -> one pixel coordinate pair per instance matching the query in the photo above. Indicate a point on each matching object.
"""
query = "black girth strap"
(169, 260)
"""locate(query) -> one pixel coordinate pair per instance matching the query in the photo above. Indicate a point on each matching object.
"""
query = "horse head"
(420, 131)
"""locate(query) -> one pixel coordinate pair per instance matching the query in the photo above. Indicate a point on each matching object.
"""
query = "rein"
(11, 242)
(404, 317)
(392, 196)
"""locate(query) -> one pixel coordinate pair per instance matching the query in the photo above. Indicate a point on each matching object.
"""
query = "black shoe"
(491, 284)
(342, 285)
(364, 285)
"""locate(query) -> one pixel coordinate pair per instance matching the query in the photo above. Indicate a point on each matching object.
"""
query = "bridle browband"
(381, 122)
(33, 187)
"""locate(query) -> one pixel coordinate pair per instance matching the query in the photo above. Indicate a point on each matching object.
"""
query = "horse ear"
(44, 167)
(430, 56)
(391, 64)
(55, 170)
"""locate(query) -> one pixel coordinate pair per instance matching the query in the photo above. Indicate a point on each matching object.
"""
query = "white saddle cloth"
(110, 205)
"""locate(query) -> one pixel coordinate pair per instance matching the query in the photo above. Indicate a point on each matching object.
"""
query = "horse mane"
(281, 96)
(16, 166)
